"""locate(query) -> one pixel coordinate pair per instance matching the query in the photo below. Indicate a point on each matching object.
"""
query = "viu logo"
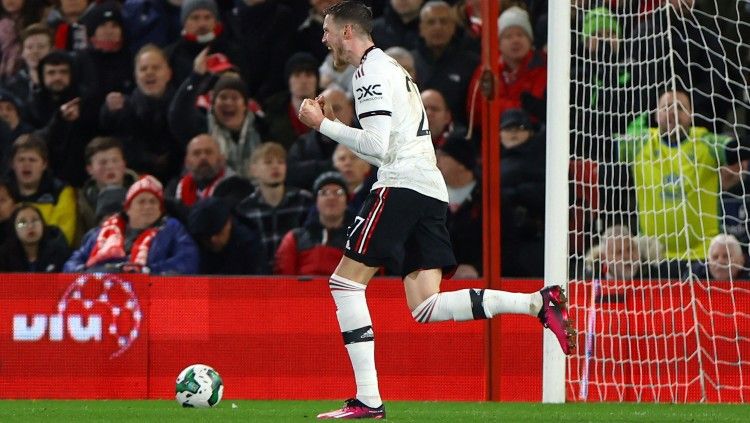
(25, 329)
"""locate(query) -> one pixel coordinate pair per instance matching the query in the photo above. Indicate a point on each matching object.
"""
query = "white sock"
(356, 326)
(473, 304)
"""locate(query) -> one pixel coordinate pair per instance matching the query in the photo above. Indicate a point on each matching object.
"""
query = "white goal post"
(648, 199)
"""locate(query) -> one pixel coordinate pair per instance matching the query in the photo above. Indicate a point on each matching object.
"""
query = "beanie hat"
(515, 16)
(515, 118)
(218, 63)
(190, 6)
(230, 82)
(7, 96)
(301, 62)
(101, 13)
(599, 19)
(461, 150)
(147, 183)
(207, 217)
(329, 178)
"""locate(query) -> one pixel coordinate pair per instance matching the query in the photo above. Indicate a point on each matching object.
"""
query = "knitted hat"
(329, 178)
(101, 13)
(301, 62)
(461, 149)
(7, 96)
(515, 16)
(190, 6)
(230, 82)
(207, 217)
(514, 118)
(147, 183)
(599, 19)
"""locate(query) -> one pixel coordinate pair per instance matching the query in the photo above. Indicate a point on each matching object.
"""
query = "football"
(199, 386)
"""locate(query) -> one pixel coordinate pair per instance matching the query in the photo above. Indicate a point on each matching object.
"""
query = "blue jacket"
(172, 251)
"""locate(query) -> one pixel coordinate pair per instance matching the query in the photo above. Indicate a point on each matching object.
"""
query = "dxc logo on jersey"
(368, 91)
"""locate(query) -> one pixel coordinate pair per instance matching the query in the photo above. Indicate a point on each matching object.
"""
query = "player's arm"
(373, 98)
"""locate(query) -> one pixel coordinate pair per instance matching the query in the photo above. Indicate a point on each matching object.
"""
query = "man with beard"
(66, 118)
(206, 169)
(403, 220)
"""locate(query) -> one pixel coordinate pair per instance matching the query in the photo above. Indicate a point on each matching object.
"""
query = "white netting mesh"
(658, 170)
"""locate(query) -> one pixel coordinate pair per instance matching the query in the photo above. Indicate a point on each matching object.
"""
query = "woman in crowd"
(33, 246)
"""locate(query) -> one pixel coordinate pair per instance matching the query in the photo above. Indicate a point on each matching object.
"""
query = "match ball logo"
(93, 306)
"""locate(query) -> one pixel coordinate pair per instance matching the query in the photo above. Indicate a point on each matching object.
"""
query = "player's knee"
(422, 312)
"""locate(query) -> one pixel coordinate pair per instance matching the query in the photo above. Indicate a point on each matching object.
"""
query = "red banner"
(68, 336)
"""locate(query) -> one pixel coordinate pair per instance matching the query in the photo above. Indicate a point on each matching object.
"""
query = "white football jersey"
(395, 135)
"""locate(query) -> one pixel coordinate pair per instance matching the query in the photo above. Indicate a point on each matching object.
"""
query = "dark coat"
(389, 31)
(243, 255)
(450, 74)
(266, 32)
(465, 229)
(53, 252)
(147, 140)
(280, 128)
(309, 157)
(182, 53)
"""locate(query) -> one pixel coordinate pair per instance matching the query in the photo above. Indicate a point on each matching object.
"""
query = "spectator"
(33, 246)
(140, 119)
(107, 57)
(439, 58)
(66, 117)
(399, 25)
(273, 208)
(36, 42)
(405, 59)
(620, 256)
(8, 203)
(142, 239)
(726, 261)
(201, 30)
(335, 76)
(681, 189)
(229, 119)
(456, 160)
(522, 179)
(151, 22)
(358, 174)
(311, 153)
(14, 16)
(310, 32)
(11, 113)
(107, 168)
(522, 70)
(317, 247)
(301, 72)
(439, 117)
(206, 171)
(66, 21)
(33, 184)
(227, 246)
(265, 30)
(695, 60)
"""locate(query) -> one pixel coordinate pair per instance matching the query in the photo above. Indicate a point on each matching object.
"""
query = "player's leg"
(428, 304)
(428, 251)
(374, 237)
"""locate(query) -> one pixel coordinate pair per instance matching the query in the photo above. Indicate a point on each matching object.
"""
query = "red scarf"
(299, 127)
(110, 243)
(187, 191)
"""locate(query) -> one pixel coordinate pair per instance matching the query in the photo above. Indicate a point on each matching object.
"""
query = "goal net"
(658, 234)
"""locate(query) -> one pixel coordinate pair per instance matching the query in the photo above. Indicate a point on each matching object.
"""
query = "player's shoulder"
(376, 64)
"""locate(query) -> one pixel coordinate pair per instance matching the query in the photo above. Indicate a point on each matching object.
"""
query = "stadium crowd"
(162, 135)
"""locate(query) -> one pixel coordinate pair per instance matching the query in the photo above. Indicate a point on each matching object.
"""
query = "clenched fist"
(311, 113)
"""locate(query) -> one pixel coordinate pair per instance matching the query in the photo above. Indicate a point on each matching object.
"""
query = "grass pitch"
(398, 411)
